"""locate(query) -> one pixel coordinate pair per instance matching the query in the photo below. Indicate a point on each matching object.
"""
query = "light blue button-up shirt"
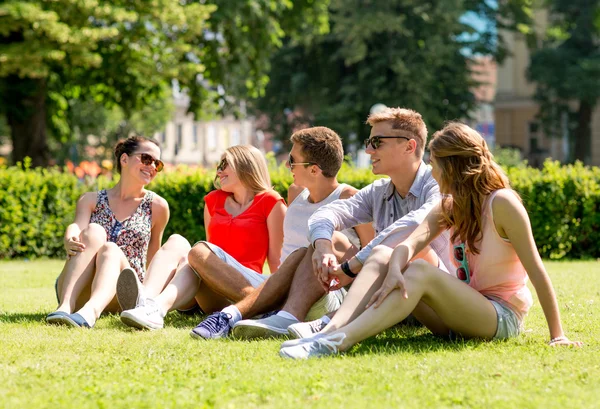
(381, 204)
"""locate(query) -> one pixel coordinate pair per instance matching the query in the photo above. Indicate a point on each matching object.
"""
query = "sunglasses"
(148, 160)
(291, 162)
(375, 141)
(462, 272)
(222, 165)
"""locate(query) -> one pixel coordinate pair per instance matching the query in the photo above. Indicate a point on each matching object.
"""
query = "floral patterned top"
(132, 235)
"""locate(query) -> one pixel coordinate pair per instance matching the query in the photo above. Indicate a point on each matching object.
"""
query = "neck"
(405, 177)
(321, 189)
(243, 196)
(126, 189)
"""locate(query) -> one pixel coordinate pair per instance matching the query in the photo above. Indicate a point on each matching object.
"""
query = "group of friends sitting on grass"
(447, 244)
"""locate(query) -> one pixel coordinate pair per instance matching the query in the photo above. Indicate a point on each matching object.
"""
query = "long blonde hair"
(469, 174)
(250, 167)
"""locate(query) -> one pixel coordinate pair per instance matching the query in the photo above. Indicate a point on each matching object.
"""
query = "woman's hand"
(564, 341)
(393, 281)
(73, 246)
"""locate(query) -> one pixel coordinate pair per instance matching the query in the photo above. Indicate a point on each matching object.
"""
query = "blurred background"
(199, 76)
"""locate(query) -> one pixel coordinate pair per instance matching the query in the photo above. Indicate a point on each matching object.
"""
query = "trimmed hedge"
(36, 205)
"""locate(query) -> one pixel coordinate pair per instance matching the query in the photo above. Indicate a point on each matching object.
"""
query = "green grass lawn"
(113, 366)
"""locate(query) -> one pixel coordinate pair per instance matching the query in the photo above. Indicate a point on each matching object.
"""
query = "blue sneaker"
(216, 325)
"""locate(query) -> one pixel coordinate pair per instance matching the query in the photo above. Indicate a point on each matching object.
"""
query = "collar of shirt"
(415, 188)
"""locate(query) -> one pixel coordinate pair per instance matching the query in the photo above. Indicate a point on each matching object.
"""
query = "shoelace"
(151, 307)
(215, 322)
(331, 342)
(316, 326)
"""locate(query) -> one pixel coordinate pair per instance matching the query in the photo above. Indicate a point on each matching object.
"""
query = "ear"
(411, 146)
(123, 159)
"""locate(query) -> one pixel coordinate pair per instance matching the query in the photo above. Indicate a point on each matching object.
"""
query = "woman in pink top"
(493, 250)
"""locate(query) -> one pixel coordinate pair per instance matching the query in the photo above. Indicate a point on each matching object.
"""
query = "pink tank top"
(497, 271)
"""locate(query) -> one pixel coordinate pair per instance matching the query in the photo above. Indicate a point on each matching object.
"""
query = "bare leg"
(164, 264)
(180, 292)
(306, 289)
(210, 301)
(109, 263)
(271, 294)
(458, 306)
(78, 271)
(218, 275)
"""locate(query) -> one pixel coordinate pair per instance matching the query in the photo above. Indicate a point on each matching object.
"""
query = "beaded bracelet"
(561, 338)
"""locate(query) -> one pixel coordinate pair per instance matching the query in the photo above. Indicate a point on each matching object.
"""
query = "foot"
(216, 325)
(316, 347)
(274, 326)
(130, 291)
(306, 329)
(148, 316)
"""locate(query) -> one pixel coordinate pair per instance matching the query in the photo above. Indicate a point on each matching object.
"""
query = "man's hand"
(324, 261)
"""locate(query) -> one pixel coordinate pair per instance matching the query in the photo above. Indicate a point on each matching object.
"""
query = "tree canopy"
(127, 53)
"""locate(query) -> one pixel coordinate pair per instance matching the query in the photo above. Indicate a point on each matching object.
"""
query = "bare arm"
(511, 220)
(275, 228)
(160, 218)
(83, 212)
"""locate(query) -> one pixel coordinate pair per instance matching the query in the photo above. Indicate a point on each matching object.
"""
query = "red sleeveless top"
(245, 237)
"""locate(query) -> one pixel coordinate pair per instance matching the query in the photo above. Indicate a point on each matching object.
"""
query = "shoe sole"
(132, 321)
(128, 289)
(64, 320)
(258, 332)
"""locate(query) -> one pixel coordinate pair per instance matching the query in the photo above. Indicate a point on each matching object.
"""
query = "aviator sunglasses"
(375, 141)
(463, 273)
(148, 160)
(291, 162)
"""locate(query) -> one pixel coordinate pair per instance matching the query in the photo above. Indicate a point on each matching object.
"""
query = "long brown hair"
(468, 174)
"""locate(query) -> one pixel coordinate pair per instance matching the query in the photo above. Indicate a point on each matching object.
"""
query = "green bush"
(36, 205)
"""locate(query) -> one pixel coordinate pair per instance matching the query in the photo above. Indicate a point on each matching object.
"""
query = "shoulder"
(269, 196)
(348, 192)
(293, 192)
(268, 200)
(159, 203)
(506, 205)
(215, 195)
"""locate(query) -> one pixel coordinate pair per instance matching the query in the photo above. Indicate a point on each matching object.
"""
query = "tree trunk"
(583, 133)
(26, 116)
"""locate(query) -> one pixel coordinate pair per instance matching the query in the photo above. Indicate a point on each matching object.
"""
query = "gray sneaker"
(274, 326)
(306, 329)
(130, 291)
(315, 347)
(147, 316)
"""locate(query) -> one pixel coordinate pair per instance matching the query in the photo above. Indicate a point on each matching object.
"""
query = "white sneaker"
(294, 342)
(315, 347)
(149, 316)
(306, 329)
(130, 291)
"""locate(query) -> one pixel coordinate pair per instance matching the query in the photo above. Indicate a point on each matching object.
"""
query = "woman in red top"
(244, 228)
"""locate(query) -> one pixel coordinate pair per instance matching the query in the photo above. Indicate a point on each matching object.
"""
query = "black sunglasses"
(291, 162)
(375, 141)
(222, 165)
(148, 160)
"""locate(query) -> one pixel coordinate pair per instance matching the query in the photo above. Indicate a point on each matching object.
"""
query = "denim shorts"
(509, 324)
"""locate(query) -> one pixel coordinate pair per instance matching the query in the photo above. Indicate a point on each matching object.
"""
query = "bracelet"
(346, 269)
(561, 338)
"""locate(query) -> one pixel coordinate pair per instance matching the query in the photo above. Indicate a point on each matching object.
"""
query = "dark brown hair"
(322, 146)
(129, 146)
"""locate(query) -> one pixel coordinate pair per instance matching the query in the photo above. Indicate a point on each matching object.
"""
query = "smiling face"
(228, 179)
(133, 166)
(300, 173)
(389, 156)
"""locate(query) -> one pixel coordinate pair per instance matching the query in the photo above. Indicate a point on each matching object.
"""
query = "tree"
(124, 52)
(410, 53)
(566, 70)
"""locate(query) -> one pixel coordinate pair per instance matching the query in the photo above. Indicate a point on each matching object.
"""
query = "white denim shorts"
(509, 324)
(255, 279)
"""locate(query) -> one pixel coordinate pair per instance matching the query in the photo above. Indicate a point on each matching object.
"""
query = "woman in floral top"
(115, 229)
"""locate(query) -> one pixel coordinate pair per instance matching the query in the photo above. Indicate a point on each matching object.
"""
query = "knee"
(94, 234)
(419, 271)
(198, 256)
(109, 249)
(177, 244)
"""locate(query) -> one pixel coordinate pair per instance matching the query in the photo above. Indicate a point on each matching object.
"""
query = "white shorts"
(330, 302)
(252, 276)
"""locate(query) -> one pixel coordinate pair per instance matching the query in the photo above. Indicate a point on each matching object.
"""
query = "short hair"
(129, 146)
(322, 146)
(404, 119)
(250, 167)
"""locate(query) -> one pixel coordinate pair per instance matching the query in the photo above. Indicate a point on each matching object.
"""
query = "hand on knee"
(93, 235)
